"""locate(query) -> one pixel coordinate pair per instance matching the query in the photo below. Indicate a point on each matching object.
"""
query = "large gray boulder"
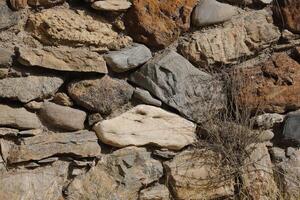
(176, 82)
(291, 131)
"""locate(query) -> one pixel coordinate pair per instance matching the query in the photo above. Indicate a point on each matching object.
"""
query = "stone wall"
(103, 99)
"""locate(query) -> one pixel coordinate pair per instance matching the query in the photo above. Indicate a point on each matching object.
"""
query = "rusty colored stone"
(158, 23)
(272, 86)
(18, 4)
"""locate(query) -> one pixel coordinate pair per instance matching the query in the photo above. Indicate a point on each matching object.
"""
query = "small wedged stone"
(62, 117)
(176, 82)
(78, 144)
(268, 120)
(120, 175)
(44, 3)
(209, 12)
(156, 192)
(291, 130)
(5, 57)
(63, 99)
(18, 4)
(18, 118)
(146, 97)
(102, 95)
(112, 5)
(62, 59)
(128, 58)
(147, 125)
(25, 89)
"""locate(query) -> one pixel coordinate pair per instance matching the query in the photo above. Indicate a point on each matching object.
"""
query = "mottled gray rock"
(177, 83)
(78, 144)
(44, 3)
(164, 153)
(128, 58)
(146, 97)
(155, 192)
(277, 154)
(38, 184)
(5, 57)
(119, 175)
(94, 118)
(8, 18)
(18, 118)
(291, 131)
(62, 117)
(268, 120)
(62, 99)
(8, 132)
(102, 95)
(265, 135)
(211, 12)
(112, 5)
(147, 125)
(62, 59)
(25, 89)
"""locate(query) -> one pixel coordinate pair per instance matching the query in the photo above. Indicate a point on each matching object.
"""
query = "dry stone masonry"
(108, 99)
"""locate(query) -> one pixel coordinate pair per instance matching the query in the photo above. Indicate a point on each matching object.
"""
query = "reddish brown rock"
(288, 14)
(158, 23)
(18, 4)
(272, 86)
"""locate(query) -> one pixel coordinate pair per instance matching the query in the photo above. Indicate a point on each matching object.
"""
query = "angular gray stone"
(62, 117)
(147, 125)
(291, 131)
(62, 59)
(18, 118)
(102, 95)
(111, 5)
(128, 58)
(277, 154)
(156, 192)
(5, 57)
(78, 144)
(146, 97)
(211, 12)
(8, 18)
(268, 120)
(177, 83)
(120, 175)
(25, 89)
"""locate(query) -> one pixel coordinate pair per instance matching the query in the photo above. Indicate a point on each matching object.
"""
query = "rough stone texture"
(158, 23)
(8, 132)
(119, 175)
(62, 59)
(45, 3)
(100, 95)
(62, 117)
(271, 86)
(156, 192)
(62, 99)
(258, 179)
(268, 120)
(288, 13)
(5, 57)
(8, 18)
(144, 125)
(128, 58)
(18, 118)
(277, 154)
(18, 4)
(38, 184)
(290, 173)
(112, 5)
(146, 97)
(291, 131)
(198, 175)
(243, 36)
(25, 89)
(211, 12)
(78, 144)
(176, 82)
(69, 27)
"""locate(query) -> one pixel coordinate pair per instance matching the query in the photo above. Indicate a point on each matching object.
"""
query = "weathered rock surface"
(5, 57)
(18, 118)
(112, 5)
(144, 125)
(268, 120)
(146, 97)
(8, 18)
(75, 28)
(62, 117)
(258, 179)
(117, 176)
(25, 89)
(78, 144)
(157, 23)
(62, 59)
(198, 175)
(63, 99)
(156, 192)
(44, 3)
(291, 131)
(289, 11)
(100, 95)
(18, 4)
(128, 58)
(176, 82)
(38, 184)
(211, 12)
(243, 36)
(272, 86)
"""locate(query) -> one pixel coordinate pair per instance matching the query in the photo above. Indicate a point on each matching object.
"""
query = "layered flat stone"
(112, 5)
(78, 144)
(62, 59)
(147, 125)
(25, 89)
